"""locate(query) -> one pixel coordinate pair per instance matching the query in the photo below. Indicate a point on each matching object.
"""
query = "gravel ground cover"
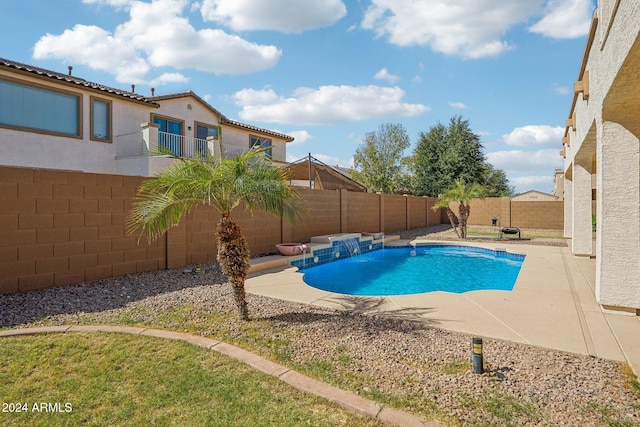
(404, 363)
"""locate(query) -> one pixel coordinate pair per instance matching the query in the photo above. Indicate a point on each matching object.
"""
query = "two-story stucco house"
(602, 142)
(60, 121)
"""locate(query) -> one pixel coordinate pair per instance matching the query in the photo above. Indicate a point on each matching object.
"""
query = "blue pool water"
(429, 268)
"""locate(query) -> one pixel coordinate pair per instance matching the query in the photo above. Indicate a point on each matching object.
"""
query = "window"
(203, 132)
(100, 120)
(169, 134)
(261, 142)
(41, 110)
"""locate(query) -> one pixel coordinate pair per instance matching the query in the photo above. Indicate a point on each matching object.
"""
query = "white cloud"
(333, 161)
(324, 158)
(535, 136)
(326, 104)
(155, 35)
(458, 105)
(518, 162)
(561, 90)
(167, 78)
(473, 29)
(470, 29)
(565, 19)
(95, 47)
(287, 16)
(119, 4)
(301, 136)
(533, 182)
(385, 75)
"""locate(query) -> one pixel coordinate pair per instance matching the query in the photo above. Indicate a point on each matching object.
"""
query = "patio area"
(552, 305)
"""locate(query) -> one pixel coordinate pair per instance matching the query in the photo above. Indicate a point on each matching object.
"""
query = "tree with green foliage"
(461, 193)
(249, 178)
(445, 154)
(497, 183)
(379, 160)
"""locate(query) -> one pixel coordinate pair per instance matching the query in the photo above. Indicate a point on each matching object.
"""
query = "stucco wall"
(28, 149)
(232, 135)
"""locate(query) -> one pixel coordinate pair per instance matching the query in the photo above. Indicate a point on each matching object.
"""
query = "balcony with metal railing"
(148, 151)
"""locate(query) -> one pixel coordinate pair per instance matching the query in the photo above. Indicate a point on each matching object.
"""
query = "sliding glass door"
(169, 135)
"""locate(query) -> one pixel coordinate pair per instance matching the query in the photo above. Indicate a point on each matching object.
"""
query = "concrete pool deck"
(552, 305)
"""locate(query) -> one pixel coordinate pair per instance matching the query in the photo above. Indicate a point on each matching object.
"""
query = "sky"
(329, 71)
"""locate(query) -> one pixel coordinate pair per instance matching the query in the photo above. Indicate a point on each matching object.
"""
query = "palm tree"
(462, 193)
(224, 184)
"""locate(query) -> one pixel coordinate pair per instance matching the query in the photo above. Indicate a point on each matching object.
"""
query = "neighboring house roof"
(223, 119)
(70, 79)
(534, 194)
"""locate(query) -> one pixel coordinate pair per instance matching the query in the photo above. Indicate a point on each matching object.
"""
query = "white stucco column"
(581, 230)
(568, 207)
(150, 136)
(618, 217)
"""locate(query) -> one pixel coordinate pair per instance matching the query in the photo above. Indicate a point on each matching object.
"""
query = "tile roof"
(223, 119)
(152, 100)
(75, 80)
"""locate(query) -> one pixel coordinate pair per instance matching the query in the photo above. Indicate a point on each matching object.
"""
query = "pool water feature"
(336, 247)
(409, 270)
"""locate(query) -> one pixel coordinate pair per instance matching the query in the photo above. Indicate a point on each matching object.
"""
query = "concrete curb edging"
(347, 400)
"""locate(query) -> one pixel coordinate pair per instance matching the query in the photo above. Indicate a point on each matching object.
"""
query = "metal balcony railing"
(187, 146)
(134, 144)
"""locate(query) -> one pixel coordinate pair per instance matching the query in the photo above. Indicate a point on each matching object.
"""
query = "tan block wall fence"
(533, 215)
(58, 228)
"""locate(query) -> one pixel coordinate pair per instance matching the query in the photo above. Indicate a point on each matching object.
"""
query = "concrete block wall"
(200, 235)
(535, 215)
(539, 215)
(484, 210)
(262, 230)
(417, 212)
(395, 213)
(323, 216)
(434, 217)
(363, 212)
(58, 228)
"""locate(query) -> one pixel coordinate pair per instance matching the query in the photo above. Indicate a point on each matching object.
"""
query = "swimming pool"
(429, 268)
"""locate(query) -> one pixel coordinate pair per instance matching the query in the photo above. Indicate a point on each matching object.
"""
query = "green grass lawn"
(111, 379)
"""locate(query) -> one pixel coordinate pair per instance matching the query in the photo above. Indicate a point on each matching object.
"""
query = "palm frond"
(221, 183)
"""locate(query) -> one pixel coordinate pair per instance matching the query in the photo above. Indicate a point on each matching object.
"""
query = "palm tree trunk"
(233, 256)
(464, 211)
(453, 219)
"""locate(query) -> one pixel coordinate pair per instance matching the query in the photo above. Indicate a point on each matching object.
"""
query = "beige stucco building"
(601, 144)
(60, 121)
